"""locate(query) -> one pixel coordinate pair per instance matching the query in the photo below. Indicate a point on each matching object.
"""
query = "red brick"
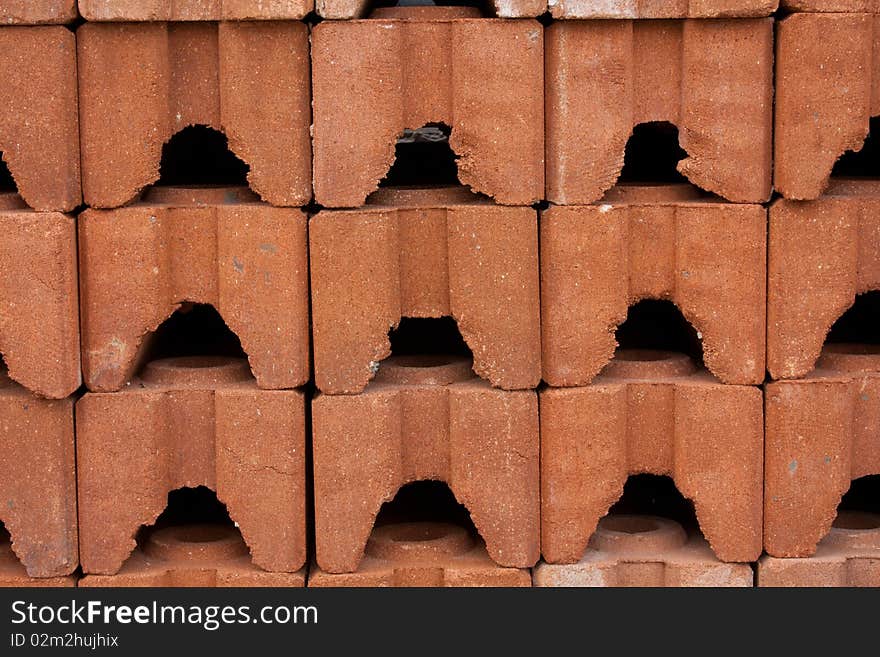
(39, 131)
(832, 6)
(825, 97)
(481, 77)
(711, 78)
(194, 555)
(425, 253)
(652, 412)
(426, 418)
(37, 12)
(848, 556)
(216, 246)
(661, 8)
(707, 257)
(37, 483)
(39, 324)
(423, 554)
(644, 551)
(140, 83)
(187, 422)
(347, 9)
(821, 434)
(194, 10)
(13, 574)
(821, 255)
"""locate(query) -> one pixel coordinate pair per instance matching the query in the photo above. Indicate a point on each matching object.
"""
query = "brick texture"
(37, 12)
(661, 8)
(832, 6)
(194, 10)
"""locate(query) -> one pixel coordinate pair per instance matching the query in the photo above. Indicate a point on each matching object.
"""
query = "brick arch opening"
(865, 162)
(7, 182)
(863, 495)
(485, 7)
(415, 336)
(425, 501)
(860, 324)
(652, 155)
(658, 324)
(656, 495)
(423, 158)
(199, 155)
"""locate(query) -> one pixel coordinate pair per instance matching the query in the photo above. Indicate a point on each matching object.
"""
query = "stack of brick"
(470, 252)
(39, 329)
(610, 413)
(824, 250)
(232, 425)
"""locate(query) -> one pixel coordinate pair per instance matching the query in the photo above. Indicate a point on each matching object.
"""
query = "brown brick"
(825, 97)
(423, 554)
(821, 255)
(426, 418)
(707, 257)
(652, 412)
(216, 246)
(342, 9)
(140, 83)
(832, 6)
(194, 555)
(13, 574)
(37, 482)
(194, 10)
(661, 8)
(644, 551)
(848, 556)
(481, 77)
(821, 434)
(39, 323)
(195, 421)
(39, 131)
(37, 12)
(711, 78)
(425, 253)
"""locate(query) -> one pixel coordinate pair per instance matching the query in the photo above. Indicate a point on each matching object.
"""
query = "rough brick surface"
(709, 258)
(426, 418)
(652, 412)
(821, 255)
(187, 422)
(37, 482)
(661, 8)
(821, 434)
(39, 131)
(37, 12)
(39, 322)
(832, 6)
(711, 78)
(13, 574)
(423, 554)
(194, 10)
(194, 555)
(347, 9)
(826, 95)
(644, 551)
(140, 83)
(848, 556)
(481, 77)
(221, 247)
(425, 253)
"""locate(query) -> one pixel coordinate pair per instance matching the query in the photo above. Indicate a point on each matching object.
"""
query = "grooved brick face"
(194, 10)
(821, 434)
(709, 258)
(425, 418)
(661, 8)
(37, 12)
(219, 246)
(652, 412)
(425, 254)
(826, 96)
(37, 485)
(39, 132)
(481, 77)
(644, 551)
(188, 422)
(342, 9)
(140, 83)
(822, 254)
(711, 78)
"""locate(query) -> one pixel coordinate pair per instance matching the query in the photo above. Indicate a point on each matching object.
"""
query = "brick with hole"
(219, 246)
(414, 66)
(348, 9)
(188, 422)
(592, 9)
(656, 242)
(39, 124)
(426, 418)
(710, 78)
(37, 12)
(652, 412)
(194, 10)
(821, 435)
(141, 83)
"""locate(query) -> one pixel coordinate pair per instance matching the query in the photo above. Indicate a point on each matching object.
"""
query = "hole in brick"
(864, 163)
(863, 495)
(420, 336)
(657, 324)
(193, 506)
(425, 501)
(652, 154)
(7, 182)
(200, 156)
(486, 8)
(859, 324)
(653, 495)
(423, 158)
(194, 329)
